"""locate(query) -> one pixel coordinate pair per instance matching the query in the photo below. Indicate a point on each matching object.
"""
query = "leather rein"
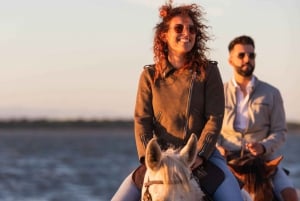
(147, 196)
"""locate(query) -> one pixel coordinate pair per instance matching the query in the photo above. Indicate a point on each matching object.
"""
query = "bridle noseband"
(147, 196)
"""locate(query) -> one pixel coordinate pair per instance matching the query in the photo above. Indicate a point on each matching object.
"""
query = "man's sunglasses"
(251, 55)
(178, 28)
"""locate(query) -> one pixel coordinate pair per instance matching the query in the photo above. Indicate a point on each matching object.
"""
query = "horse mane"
(174, 170)
(257, 182)
(255, 173)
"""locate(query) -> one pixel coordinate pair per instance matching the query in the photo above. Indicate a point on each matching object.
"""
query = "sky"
(70, 59)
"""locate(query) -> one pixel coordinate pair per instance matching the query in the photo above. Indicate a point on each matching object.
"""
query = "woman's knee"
(127, 191)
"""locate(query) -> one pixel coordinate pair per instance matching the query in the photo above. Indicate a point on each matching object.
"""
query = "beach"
(79, 164)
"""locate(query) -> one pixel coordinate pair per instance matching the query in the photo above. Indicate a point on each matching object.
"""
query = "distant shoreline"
(81, 123)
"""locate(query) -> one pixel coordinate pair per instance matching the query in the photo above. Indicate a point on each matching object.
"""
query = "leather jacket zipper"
(185, 129)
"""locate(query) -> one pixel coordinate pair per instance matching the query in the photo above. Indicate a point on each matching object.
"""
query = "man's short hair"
(244, 40)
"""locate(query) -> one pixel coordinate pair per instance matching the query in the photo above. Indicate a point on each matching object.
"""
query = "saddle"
(208, 176)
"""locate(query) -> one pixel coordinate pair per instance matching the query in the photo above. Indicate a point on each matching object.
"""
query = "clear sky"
(82, 58)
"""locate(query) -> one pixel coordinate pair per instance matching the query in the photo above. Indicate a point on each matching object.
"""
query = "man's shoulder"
(266, 86)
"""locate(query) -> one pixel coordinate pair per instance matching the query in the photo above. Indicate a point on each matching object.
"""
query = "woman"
(181, 94)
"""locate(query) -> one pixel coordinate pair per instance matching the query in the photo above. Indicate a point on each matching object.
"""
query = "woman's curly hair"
(196, 58)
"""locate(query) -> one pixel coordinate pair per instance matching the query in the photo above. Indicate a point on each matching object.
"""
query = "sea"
(80, 164)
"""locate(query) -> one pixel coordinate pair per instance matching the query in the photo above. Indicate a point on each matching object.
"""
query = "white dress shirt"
(241, 121)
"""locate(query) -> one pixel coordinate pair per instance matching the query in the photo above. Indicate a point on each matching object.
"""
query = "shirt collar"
(250, 85)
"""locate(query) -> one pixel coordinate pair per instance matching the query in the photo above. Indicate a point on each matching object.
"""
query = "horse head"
(168, 175)
(256, 175)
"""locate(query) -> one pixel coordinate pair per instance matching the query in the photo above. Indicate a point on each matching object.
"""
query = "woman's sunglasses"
(178, 28)
(251, 55)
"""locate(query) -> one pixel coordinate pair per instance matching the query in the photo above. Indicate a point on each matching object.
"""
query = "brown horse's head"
(255, 173)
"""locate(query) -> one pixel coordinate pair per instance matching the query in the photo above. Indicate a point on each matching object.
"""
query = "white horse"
(168, 176)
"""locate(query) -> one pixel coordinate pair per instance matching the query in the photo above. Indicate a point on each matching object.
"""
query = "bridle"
(147, 196)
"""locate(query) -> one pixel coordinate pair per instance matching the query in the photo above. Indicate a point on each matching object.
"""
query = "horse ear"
(189, 152)
(272, 165)
(153, 155)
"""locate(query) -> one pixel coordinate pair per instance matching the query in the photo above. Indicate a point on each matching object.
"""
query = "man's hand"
(255, 148)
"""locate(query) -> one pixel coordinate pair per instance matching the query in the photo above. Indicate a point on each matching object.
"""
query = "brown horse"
(255, 174)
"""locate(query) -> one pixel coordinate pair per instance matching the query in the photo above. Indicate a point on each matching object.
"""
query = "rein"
(147, 196)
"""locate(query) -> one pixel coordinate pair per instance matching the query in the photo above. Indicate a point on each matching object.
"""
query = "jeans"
(229, 190)
(127, 191)
(281, 181)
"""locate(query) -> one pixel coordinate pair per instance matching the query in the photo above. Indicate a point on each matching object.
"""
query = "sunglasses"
(251, 55)
(178, 28)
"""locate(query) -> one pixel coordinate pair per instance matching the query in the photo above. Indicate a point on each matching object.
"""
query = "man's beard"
(245, 72)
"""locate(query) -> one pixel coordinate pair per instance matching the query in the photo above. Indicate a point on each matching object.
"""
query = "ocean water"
(80, 164)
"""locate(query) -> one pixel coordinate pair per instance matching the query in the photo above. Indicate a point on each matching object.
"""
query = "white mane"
(168, 175)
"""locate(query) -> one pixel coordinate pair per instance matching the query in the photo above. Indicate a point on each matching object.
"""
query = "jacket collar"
(170, 69)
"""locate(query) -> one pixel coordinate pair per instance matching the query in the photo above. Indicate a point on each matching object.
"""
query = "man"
(254, 118)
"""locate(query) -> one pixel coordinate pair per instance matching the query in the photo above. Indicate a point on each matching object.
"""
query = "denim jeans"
(127, 191)
(229, 190)
(281, 181)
